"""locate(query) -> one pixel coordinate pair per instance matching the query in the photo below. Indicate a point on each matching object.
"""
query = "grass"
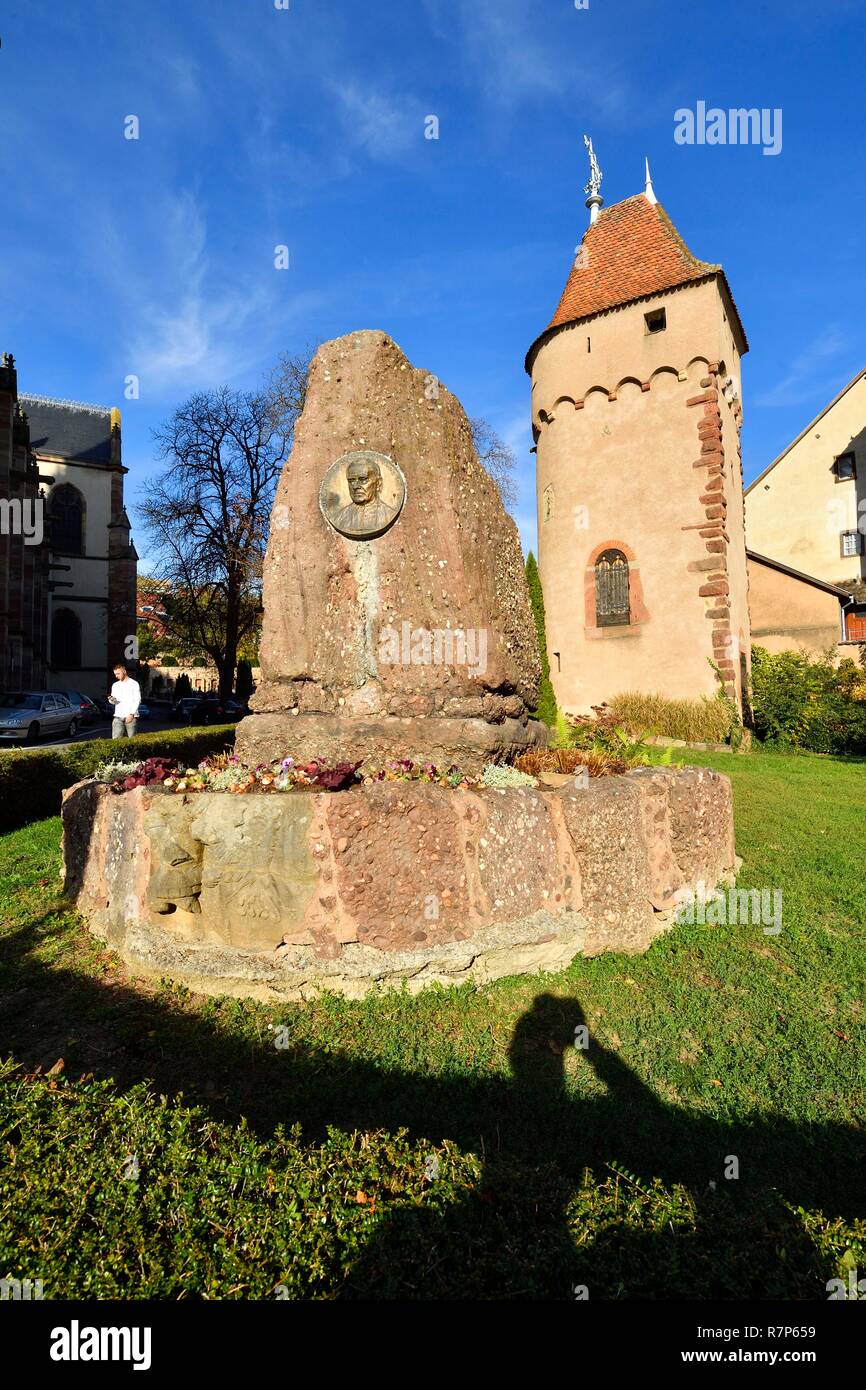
(456, 1144)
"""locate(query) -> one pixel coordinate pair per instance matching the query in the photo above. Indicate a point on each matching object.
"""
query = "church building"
(636, 416)
(92, 604)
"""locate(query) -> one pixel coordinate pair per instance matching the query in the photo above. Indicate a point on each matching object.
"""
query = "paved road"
(102, 729)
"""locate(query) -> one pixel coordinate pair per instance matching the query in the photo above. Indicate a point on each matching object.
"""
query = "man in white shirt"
(126, 698)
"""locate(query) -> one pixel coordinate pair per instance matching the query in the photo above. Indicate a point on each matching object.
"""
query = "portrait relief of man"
(366, 478)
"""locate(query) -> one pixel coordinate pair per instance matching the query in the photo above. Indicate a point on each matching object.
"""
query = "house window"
(656, 322)
(852, 543)
(611, 589)
(67, 520)
(845, 468)
(65, 640)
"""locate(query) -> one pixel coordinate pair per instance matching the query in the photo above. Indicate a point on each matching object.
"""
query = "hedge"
(32, 780)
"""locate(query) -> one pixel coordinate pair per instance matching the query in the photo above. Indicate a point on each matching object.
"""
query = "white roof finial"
(649, 191)
(594, 201)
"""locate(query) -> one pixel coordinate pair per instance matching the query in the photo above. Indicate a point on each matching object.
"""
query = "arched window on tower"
(67, 520)
(611, 589)
(65, 640)
(547, 503)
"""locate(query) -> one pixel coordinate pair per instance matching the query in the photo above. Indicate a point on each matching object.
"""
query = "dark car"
(208, 711)
(235, 710)
(88, 710)
(143, 711)
(181, 708)
(105, 709)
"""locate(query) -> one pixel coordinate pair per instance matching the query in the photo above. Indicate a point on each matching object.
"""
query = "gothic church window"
(65, 640)
(611, 589)
(67, 520)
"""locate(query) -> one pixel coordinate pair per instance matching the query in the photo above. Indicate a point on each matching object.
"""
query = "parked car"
(181, 708)
(235, 710)
(143, 711)
(105, 709)
(207, 711)
(88, 710)
(27, 715)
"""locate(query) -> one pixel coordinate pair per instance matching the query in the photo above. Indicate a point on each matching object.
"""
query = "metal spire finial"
(594, 200)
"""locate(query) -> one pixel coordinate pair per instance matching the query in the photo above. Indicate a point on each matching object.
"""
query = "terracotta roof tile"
(631, 251)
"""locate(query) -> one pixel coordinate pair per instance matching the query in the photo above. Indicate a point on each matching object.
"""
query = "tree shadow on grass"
(515, 1236)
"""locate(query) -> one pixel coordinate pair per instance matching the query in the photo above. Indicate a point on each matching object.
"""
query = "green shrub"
(806, 704)
(31, 781)
(706, 720)
(546, 711)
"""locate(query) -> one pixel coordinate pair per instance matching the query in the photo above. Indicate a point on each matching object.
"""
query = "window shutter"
(611, 589)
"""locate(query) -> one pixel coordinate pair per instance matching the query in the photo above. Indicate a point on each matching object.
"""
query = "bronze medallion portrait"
(362, 494)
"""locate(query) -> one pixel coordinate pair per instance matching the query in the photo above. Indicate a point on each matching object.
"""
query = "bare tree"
(286, 388)
(497, 457)
(207, 515)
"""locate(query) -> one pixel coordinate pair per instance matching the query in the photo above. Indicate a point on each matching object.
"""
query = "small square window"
(656, 322)
(844, 467)
(852, 543)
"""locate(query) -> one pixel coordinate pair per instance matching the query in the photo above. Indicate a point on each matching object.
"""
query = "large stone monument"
(397, 624)
(397, 621)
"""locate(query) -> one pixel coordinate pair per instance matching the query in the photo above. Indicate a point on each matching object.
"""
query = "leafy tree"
(546, 711)
(149, 647)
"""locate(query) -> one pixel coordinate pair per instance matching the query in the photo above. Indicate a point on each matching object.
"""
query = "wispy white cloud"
(807, 376)
(382, 124)
(508, 52)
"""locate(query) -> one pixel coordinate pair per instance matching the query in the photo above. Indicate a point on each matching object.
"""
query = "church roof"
(632, 251)
(68, 429)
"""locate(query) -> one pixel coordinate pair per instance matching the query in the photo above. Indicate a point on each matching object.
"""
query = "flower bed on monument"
(284, 880)
(227, 773)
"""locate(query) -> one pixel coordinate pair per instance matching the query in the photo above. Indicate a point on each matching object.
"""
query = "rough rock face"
(282, 895)
(428, 621)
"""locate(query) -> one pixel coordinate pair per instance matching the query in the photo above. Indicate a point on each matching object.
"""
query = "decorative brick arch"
(638, 612)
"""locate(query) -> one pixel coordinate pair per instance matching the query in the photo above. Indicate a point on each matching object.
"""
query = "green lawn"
(456, 1144)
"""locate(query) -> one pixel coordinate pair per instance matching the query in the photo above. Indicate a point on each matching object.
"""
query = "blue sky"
(305, 127)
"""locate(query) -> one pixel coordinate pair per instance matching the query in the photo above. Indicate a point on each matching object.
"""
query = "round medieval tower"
(636, 420)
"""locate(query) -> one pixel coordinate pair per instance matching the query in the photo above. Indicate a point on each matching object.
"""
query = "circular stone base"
(286, 894)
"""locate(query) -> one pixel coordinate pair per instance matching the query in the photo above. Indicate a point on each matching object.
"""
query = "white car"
(29, 714)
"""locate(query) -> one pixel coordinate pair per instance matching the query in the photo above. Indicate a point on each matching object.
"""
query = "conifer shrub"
(546, 710)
